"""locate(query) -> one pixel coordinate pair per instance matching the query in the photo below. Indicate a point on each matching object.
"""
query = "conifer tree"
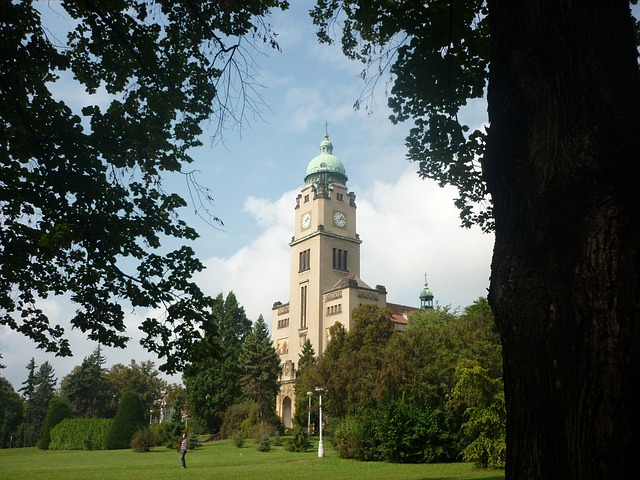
(307, 356)
(214, 381)
(27, 390)
(261, 366)
(87, 388)
(38, 403)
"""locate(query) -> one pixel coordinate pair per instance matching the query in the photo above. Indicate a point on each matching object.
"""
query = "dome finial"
(326, 129)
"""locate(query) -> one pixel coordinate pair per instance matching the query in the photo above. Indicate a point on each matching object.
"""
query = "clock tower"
(325, 282)
(324, 249)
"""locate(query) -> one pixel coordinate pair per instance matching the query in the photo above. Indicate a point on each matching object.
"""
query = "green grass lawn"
(217, 460)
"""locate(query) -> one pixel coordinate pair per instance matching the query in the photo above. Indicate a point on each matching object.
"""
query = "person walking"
(184, 444)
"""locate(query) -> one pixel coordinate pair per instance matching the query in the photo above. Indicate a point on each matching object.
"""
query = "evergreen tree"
(214, 381)
(261, 366)
(87, 388)
(307, 356)
(28, 433)
(306, 360)
(58, 410)
(131, 416)
(44, 392)
(29, 385)
(173, 431)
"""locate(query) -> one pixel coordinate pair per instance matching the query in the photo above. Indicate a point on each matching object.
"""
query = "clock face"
(306, 220)
(339, 219)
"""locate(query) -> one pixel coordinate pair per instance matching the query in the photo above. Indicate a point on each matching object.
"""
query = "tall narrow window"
(339, 259)
(303, 306)
(304, 260)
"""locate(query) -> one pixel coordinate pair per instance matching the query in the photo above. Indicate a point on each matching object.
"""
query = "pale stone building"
(325, 283)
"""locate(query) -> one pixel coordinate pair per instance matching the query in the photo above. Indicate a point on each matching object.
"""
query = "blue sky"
(408, 226)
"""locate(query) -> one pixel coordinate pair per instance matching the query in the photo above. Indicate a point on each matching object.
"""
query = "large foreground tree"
(559, 161)
(83, 208)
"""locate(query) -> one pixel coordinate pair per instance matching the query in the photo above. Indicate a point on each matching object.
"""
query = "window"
(284, 323)
(339, 259)
(304, 260)
(303, 307)
(339, 197)
(306, 198)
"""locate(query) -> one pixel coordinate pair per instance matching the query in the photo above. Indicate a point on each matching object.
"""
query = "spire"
(426, 296)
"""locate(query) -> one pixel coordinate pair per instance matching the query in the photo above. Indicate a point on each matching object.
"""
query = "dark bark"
(562, 166)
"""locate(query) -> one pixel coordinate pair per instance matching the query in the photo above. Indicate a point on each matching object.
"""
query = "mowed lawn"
(217, 460)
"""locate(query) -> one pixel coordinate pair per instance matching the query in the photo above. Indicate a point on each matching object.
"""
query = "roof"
(346, 281)
(398, 312)
(326, 161)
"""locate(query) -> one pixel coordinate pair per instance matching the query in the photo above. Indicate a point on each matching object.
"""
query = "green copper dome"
(426, 293)
(326, 162)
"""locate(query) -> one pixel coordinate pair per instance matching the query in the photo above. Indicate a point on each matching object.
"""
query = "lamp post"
(320, 444)
(309, 394)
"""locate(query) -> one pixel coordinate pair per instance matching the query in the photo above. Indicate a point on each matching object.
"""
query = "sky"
(409, 227)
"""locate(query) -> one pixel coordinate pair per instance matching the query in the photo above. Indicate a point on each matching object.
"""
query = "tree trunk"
(563, 168)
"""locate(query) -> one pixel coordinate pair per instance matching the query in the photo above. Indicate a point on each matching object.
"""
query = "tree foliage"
(28, 387)
(214, 381)
(84, 207)
(59, 409)
(142, 378)
(10, 413)
(261, 369)
(437, 57)
(88, 389)
(131, 417)
(394, 391)
(43, 389)
(485, 416)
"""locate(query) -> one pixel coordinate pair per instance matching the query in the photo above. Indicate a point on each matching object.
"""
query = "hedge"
(80, 434)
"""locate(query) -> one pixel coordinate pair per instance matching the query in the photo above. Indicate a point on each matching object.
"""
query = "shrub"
(131, 416)
(262, 430)
(158, 431)
(265, 444)
(300, 441)
(241, 418)
(408, 433)
(80, 434)
(245, 418)
(143, 440)
(354, 438)
(58, 410)
(237, 439)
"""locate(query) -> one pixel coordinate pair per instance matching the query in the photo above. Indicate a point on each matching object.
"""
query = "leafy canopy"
(436, 54)
(83, 209)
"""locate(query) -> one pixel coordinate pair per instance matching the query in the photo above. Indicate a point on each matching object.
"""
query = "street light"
(320, 444)
(309, 394)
